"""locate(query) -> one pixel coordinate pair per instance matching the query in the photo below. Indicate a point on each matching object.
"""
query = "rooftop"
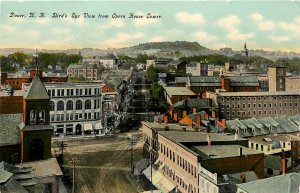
(36, 91)
(161, 127)
(225, 94)
(197, 136)
(222, 151)
(288, 183)
(9, 131)
(171, 91)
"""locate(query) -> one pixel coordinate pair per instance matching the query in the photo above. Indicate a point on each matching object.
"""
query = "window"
(70, 105)
(60, 106)
(87, 104)
(32, 117)
(41, 116)
(78, 105)
(52, 106)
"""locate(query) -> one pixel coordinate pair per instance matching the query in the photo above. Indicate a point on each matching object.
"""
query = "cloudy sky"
(269, 25)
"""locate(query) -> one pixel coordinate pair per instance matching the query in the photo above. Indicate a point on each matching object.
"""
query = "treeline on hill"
(19, 60)
(257, 63)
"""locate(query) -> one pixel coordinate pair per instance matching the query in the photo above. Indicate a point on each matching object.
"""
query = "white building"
(75, 108)
(197, 69)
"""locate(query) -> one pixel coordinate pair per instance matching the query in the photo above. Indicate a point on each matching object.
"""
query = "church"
(25, 132)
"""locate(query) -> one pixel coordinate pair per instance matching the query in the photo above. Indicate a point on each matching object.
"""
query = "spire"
(36, 61)
(246, 50)
(37, 90)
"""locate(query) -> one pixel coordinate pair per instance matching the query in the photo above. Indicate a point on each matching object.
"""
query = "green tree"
(152, 73)
(142, 58)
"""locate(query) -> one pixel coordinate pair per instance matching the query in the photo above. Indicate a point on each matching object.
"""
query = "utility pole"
(74, 161)
(62, 146)
(131, 158)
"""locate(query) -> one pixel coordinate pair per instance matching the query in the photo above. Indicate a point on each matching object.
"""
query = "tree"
(152, 73)
(142, 58)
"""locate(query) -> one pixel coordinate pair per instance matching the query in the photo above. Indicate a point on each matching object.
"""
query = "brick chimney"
(184, 114)
(194, 110)
(175, 117)
(283, 168)
(223, 123)
(198, 120)
(206, 116)
(242, 178)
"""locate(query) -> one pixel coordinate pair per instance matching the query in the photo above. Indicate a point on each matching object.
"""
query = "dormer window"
(32, 117)
(42, 116)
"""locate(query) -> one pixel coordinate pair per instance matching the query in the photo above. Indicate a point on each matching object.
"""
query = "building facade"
(197, 69)
(89, 72)
(75, 108)
(292, 83)
(276, 78)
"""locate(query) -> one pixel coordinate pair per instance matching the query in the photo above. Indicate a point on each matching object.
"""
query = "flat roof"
(258, 93)
(158, 126)
(16, 93)
(269, 139)
(188, 136)
(222, 151)
(178, 91)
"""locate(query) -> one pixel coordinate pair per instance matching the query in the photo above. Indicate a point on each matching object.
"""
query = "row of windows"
(74, 116)
(259, 98)
(269, 147)
(60, 106)
(259, 105)
(274, 112)
(71, 92)
(184, 164)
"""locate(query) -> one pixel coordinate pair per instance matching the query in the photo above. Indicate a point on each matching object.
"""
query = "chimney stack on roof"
(240, 151)
(208, 140)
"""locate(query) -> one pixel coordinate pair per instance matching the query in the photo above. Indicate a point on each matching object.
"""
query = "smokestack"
(240, 151)
(283, 166)
(208, 140)
(223, 123)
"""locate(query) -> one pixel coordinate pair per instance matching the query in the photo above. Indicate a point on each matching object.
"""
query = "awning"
(159, 180)
(98, 126)
(88, 127)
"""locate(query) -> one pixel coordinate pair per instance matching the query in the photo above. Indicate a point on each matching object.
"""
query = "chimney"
(175, 117)
(283, 166)
(183, 114)
(235, 136)
(206, 116)
(242, 178)
(184, 129)
(198, 120)
(223, 123)
(166, 120)
(194, 110)
(208, 140)
(240, 151)
(213, 114)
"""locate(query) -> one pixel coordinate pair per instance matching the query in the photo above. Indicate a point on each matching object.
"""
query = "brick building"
(17, 82)
(89, 72)
(257, 104)
(178, 156)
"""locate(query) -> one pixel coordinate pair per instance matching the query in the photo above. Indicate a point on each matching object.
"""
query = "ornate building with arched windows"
(75, 108)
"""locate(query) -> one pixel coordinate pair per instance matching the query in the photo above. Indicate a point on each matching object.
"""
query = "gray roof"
(222, 151)
(243, 80)
(75, 66)
(40, 170)
(9, 131)
(37, 90)
(250, 176)
(161, 127)
(35, 127)
(198, 103)
(197, 136)
(4, 176)
(205, 81)
(274, 162)
(12, 186)
(288, 183)
(246, 94)
(181, 79)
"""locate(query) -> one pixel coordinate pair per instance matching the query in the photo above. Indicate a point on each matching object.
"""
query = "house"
(197, 69)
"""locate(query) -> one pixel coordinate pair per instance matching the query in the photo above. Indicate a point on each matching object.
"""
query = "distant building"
(16, 81)
(263, 82)
(257, 104)
(292, 83)
(240, 83)
(85, 71)
(197, 69)
(176, 94)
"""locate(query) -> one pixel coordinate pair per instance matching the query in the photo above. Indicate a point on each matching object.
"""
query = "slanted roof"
(176, 62)
(40, 170)
(250, 176)
(37, 90)
(288, 183)
(75, 66)
(9, 131)
(243, 80)
(286, 124)
(4, 176)
(205, 81)
(198, 103)
(181, 79)
(172, 91)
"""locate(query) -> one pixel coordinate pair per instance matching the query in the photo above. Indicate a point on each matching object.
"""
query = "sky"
(269, 25)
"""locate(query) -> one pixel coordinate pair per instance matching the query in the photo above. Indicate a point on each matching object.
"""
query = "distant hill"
(162, 49)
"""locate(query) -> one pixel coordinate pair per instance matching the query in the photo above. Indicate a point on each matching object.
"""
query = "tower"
(276, 77)
(35, 130)
(246, 53)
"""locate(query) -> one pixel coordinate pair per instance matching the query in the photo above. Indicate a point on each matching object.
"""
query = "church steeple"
(37, 90)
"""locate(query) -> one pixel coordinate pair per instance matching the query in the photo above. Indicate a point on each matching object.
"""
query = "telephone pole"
(74, 161)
